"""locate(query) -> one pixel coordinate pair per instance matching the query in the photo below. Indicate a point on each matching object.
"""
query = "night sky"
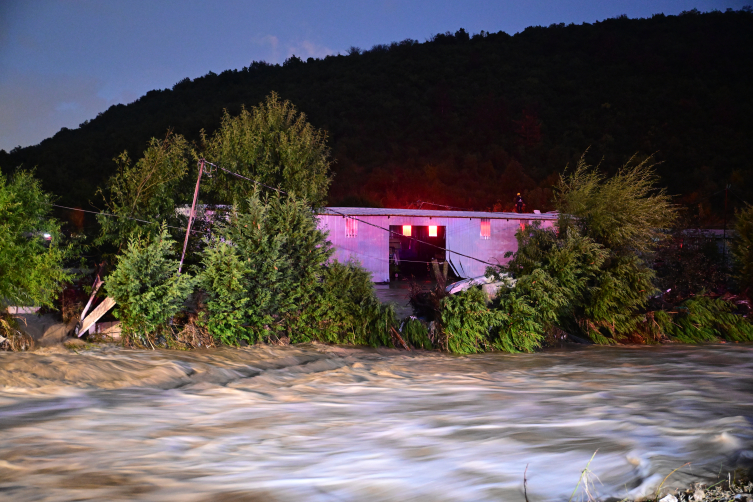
(62, 62)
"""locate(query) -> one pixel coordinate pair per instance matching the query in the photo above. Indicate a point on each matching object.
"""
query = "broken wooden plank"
(96, 314)
(399, 338)
(97, 283)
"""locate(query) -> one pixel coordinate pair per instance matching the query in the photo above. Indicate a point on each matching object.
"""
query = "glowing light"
(432, 230)
(406, 230)
(486, 228)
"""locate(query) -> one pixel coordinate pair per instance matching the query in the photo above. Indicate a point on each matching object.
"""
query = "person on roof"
(519, 204)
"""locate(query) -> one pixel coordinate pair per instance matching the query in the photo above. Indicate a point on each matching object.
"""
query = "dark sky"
(62, 62)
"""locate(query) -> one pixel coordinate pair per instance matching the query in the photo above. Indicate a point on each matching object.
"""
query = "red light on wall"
(406, 230)
(432, 230)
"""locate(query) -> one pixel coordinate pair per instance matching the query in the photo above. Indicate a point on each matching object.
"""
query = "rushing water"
(327, 423)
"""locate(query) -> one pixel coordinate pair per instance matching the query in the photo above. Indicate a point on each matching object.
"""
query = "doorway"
(410, 258)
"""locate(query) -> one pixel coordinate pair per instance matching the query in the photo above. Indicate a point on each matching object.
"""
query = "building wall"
(371, 246)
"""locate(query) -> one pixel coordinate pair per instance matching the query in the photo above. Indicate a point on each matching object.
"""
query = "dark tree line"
(470, 120)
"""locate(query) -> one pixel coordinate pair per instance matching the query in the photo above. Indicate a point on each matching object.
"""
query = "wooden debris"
(96, 314)
(396, 333)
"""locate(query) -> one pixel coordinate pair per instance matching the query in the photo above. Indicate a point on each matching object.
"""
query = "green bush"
(626, 215)
(31, 268)
(262, 271)
(415, 333)
(147, 288)
(742, 249)
(466, 322)
(704, 319)
(347, 309)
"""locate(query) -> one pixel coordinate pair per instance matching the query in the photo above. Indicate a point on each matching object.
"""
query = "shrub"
(466, 322)
(273, 256)
(347, 309)
(742, 249)
(626, 215)
(147, 288)
(415, 333)
(31, 267)
(704, 319)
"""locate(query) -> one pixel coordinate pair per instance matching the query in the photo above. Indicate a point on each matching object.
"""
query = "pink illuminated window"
(486, 228)
(351, 227)
(406, 230)
(432, 230)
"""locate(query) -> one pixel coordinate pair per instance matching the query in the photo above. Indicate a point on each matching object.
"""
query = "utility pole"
(191, 214)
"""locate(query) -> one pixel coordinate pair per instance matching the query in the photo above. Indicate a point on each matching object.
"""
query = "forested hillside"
(469, 120)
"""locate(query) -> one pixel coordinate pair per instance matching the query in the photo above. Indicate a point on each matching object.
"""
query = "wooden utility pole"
(191, 214)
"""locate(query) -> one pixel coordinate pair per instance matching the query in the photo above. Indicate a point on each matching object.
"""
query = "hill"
(468, 121)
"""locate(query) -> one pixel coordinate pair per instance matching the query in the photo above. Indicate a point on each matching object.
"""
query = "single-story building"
(404, 241)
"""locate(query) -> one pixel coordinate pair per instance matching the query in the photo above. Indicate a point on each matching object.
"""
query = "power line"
(121, 216)
(279, 190)
(422, 202)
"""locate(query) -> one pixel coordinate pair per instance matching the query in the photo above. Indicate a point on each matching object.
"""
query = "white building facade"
(473, 239)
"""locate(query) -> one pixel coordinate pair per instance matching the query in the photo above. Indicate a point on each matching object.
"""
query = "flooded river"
(325, 423)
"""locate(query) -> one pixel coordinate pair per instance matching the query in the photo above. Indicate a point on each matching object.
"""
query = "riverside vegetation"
(261, 271)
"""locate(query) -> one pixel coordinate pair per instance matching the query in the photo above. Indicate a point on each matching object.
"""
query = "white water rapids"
(328, 423)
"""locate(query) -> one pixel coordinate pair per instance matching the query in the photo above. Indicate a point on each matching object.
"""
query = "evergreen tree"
(273, 144)
(147, 288)
(262, 270)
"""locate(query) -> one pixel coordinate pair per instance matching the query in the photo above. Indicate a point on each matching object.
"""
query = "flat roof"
(383, 211)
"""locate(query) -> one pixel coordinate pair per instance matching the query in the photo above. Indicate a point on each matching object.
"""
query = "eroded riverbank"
(328, 423)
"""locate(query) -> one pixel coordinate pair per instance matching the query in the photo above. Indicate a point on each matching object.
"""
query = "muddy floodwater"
(326, 423)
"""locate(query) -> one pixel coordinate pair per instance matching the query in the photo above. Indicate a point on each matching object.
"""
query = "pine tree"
(147, 288)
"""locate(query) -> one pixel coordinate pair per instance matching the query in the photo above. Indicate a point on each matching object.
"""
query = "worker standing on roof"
(519, 204)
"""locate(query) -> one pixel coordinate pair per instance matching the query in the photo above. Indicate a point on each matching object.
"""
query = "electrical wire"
(121, 216)
(352, 217)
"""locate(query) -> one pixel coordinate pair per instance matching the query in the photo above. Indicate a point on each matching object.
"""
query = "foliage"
(466, 321)
(742, 249)
(145, 190)
(347, 309)
(415, 333)
(262, 270)
(273, 144)
(147, 288)
(704, 319)
(12, 338)
(625, 214)
(266, 277)
(31, 268)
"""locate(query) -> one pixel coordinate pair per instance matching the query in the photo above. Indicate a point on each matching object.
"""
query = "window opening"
(351, 227)
(406, 230)
(432, 230)
(486, 228)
